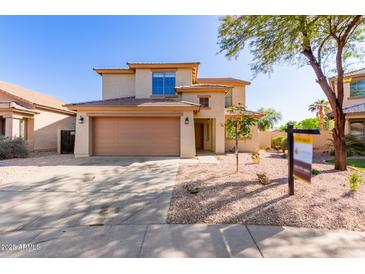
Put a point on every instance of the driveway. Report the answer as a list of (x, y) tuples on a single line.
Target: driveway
[(58, 206), (58, 192)]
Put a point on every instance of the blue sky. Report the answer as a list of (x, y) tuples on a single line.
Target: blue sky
[(55, 55)]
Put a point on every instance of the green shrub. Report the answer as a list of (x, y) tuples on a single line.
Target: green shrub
[(12, 148), (192, 188), (354, 145), (315, 172), (279, 143), (355, 181)]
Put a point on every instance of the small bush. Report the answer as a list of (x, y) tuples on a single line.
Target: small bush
[(191, 188), (279, 143), (263, 179), (331, 152), (267, 149), (354, 145), (315, 172), (355, 181), (12, 148), (255, 157), (284, 156)]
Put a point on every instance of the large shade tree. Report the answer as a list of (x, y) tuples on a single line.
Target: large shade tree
[(321, 107), (327, 43)]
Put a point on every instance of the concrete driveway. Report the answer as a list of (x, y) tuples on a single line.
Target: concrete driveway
[(58, 206), (59, 192)]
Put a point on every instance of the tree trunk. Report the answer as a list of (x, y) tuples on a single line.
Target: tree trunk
[(321, 119), (236, 149), (339, 140), (336, 104)]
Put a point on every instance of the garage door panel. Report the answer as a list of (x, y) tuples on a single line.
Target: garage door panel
[(136, 136)]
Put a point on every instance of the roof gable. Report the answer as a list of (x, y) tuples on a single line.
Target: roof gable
[(32, 97)]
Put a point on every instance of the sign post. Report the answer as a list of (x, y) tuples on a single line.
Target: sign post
[(303, 155)]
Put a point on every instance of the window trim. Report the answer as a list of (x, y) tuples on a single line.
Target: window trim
[(225, 100), (354, 81), (163, 82), (203, 106)]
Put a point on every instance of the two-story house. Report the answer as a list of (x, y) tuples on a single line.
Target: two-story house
[(354, 102), (156, 109)]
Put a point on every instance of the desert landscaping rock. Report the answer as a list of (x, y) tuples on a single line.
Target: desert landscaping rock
[(226, 197)]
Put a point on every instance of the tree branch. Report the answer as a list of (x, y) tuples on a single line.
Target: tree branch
[(319, 57)]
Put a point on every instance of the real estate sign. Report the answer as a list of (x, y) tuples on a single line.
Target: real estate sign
[(303, 155)]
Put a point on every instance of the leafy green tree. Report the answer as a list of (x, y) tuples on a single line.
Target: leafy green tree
[(321, 107), (238, 126), (285, 126), (325, 42), (309, 123), (270, 118)]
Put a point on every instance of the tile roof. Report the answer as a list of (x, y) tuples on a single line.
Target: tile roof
[(162, 63), (32, 96), (197, 86), (16, 106), (132, 101), (350, 73), (222, 80), (247, 112), (355, 109)]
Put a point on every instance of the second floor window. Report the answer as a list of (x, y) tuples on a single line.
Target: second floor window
[(204, 101), (228, 99), (357, 88), (163, 83)]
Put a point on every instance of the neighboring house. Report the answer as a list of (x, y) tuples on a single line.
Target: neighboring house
[(33, 116), (156, 109), (354, 102)]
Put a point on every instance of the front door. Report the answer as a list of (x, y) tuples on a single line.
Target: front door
[(199, 143)]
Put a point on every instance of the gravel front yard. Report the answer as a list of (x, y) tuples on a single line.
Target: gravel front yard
[(226, 197)]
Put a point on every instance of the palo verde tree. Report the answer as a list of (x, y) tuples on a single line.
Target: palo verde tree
[(238, 125), (321, 107), (269, 119), (326, 43)]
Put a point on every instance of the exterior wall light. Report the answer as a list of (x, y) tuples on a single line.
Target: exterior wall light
[(186, 120), (81, 120)]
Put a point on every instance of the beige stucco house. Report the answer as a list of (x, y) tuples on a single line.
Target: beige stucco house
[(33, 116), (156, 109), (354, 102)]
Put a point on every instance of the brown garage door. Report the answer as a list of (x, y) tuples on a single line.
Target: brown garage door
[(156, 136)]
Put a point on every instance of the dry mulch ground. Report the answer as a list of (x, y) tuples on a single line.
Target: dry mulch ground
[(226, 197)]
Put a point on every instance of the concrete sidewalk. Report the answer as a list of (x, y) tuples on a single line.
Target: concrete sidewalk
[(164, 240)]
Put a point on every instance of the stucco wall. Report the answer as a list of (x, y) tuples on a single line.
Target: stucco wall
[(143, 84), (320, 142), (250, 145), (143, 81), (118, 85), (184, 77), (46, 124), (239, 96), (187, 136), (83, 138), (215, 111)]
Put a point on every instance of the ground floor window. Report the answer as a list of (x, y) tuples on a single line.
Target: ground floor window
[(19, 128), (357, 129)]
